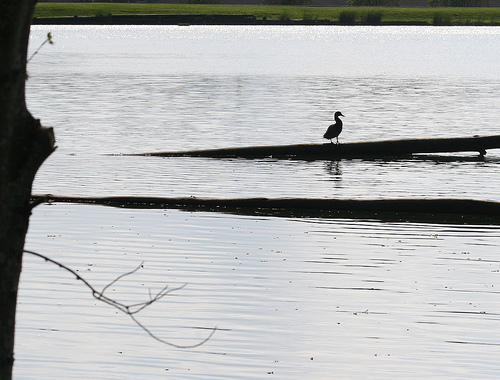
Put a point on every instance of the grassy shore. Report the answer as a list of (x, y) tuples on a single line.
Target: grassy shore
[(445, 16)]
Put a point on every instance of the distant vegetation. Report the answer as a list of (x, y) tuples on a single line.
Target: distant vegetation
[(342, 15)]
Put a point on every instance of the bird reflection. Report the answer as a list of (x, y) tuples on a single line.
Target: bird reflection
[(334, 129), (334, 169)]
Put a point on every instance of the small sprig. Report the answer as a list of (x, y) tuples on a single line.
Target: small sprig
[(47, 40)]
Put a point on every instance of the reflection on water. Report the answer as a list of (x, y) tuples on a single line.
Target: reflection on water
[(293, 297), (92, 175), (334, 169)]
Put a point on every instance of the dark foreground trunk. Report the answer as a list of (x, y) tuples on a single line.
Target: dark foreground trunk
[(371, 149), (424, 210), (24, 145)]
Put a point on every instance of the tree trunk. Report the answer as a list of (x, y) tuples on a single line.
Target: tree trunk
[(24, 145)]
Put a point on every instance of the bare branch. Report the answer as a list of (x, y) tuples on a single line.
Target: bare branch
[(130, 310)]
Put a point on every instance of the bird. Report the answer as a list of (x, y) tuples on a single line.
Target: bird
[(334, 129)]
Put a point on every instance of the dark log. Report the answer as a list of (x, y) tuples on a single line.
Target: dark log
[(328, 151), (425, 210)]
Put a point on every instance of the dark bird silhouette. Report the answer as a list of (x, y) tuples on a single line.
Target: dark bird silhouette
[(334, 129)]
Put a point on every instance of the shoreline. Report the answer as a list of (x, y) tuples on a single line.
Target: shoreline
[(188, 19), (219, 19), (246, 14)]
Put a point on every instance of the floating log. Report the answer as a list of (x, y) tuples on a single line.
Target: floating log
[(426, 210), (328, 151)]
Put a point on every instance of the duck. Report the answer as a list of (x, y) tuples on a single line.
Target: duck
[(334, 129)]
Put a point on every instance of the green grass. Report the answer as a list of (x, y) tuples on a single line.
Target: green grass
[(454, 16)]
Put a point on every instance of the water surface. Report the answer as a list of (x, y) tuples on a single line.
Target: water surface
[(295, 298), (112, 90), (292, 298)]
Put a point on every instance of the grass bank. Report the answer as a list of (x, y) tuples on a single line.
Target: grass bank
[(356, 15)]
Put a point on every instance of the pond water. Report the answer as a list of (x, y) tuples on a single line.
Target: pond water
[(291, 298)]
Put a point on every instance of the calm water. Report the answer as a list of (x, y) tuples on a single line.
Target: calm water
[(141, 89), (293, 298)]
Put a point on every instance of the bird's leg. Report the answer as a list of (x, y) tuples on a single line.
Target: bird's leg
[(337, 140)]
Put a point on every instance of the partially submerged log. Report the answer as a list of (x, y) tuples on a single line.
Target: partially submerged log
[(433, 210), (328, 151)]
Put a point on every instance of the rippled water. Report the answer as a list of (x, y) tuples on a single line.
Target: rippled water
[(292, 298)]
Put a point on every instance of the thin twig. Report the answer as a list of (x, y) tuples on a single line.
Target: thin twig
[(48, 39), (171, 344), (121, 276), (127, 309)]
